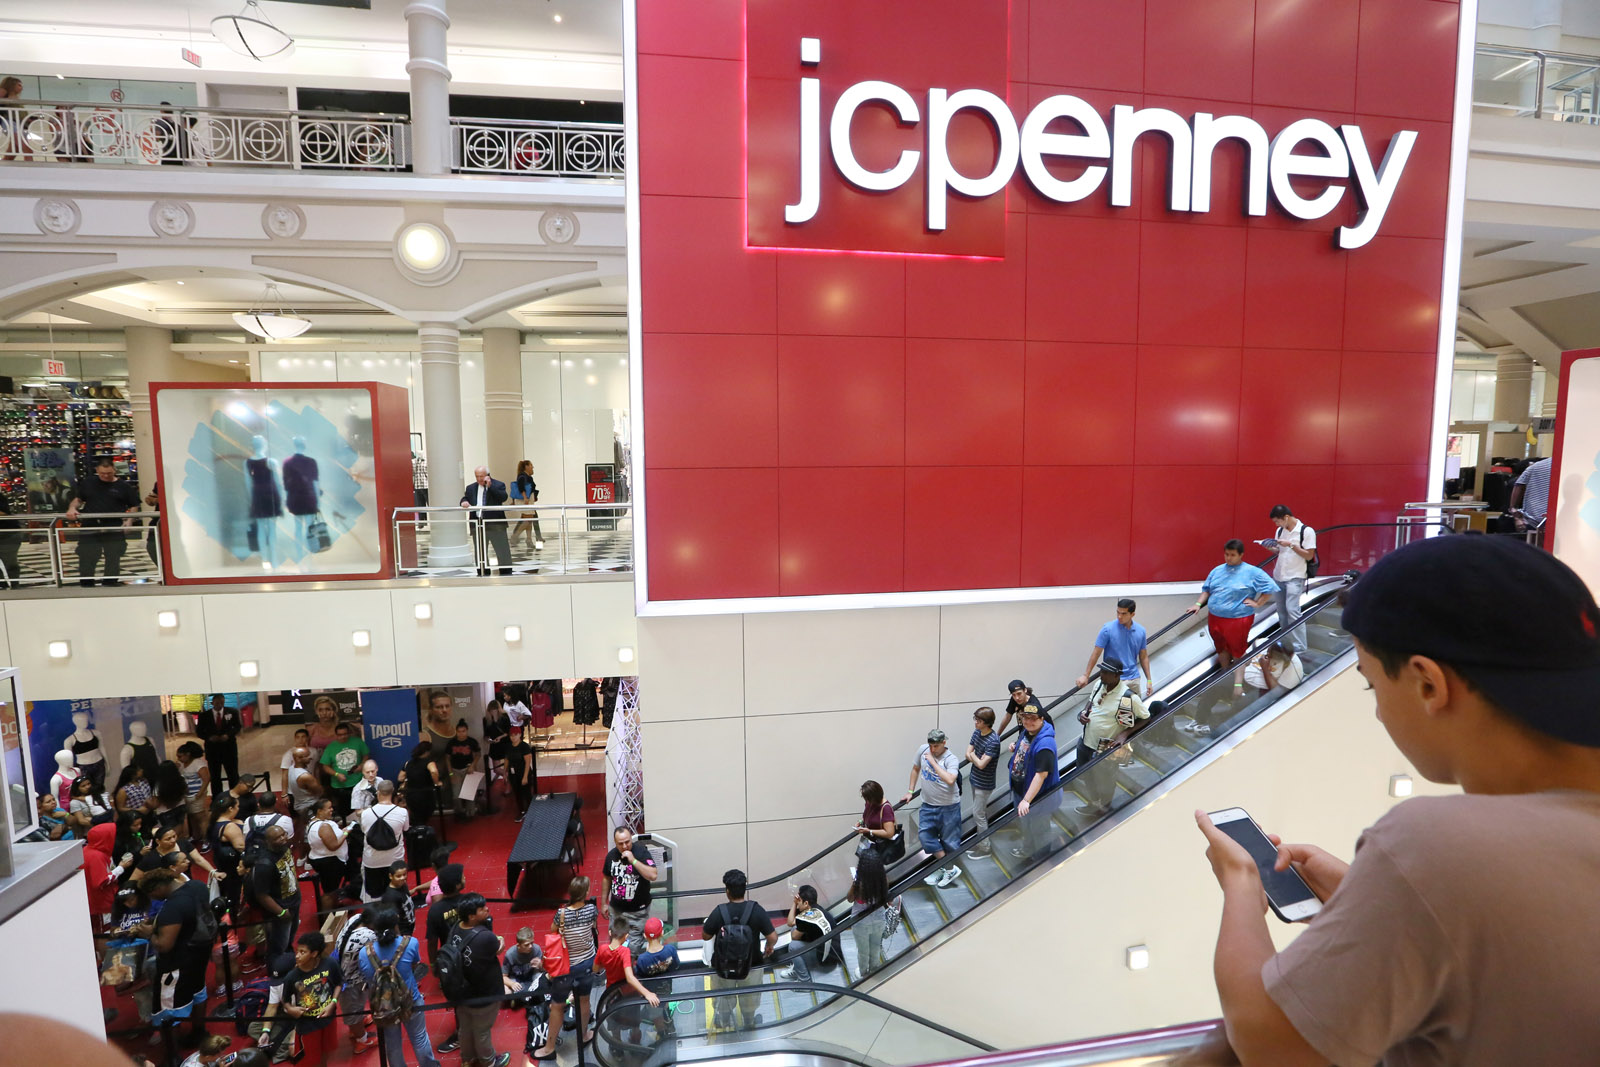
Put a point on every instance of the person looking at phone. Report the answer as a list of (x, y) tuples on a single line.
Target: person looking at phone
[(876, 828), (1296, 546), (1464, 931)]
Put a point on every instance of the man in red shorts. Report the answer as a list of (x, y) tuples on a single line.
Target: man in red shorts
[(1232, 592)]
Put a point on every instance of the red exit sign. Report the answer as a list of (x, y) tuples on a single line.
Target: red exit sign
[(191, 58), (55, 368)]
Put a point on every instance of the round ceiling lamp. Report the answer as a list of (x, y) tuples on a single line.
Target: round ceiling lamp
[(424, 247), (279, 325), (251, 33)]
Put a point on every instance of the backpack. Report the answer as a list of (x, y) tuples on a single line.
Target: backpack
[(250, 1004), (891, 916), (1313, 564), (390, 996), (450, 964), (380, 836), (255, 847), (205, 926), (735, 944)]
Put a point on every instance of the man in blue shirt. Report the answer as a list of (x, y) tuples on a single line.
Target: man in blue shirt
[(1232, 592), (1123, 640)]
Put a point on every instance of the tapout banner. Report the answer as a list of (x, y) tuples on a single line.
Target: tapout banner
[(389, 724)]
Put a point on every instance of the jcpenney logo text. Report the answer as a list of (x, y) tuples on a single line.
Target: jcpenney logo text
[(1271, 165)]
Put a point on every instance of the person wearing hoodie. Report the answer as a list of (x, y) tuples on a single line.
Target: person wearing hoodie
[(100, 873), (1034, 778)]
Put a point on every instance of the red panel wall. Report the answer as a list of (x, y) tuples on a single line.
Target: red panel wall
[(1105, 397)]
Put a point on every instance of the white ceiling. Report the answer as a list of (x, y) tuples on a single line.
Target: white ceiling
[(586, 26)]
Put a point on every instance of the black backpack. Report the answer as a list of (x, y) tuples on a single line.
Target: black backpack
[(450, 965), (1313, 564), (735, 944), (255, 844), (205, 926), (380, 835)]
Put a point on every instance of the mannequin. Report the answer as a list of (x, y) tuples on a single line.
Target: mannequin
[(86, 751), (61, 781), (140, 750), (300, 489), (266, 502)]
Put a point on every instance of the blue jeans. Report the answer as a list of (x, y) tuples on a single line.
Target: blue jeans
[(1288, 601), (416, 1028), (939, 828)]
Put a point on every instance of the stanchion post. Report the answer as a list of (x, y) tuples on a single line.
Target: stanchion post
[(227, 982)]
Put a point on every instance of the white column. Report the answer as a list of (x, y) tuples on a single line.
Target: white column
[(502, 399), (439, 345), (1513, 386), (150, 359), (429, 69)]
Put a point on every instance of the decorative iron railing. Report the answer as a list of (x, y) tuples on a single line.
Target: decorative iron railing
[(545, 149)]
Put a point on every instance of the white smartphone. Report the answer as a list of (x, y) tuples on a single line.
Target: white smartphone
[(1287, 893)]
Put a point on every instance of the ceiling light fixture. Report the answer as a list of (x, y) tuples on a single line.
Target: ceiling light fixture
[(279, 325), (60, 649), (423, 611), (1400, 785), (361, 638), (513, 635), (251, 33), (625, 654), (249, 668), (167, 620), (1137, 957)]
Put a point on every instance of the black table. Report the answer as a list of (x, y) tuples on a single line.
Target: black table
[(539, 841)]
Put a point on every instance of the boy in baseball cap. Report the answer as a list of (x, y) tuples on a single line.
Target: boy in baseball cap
[(1466, 922)]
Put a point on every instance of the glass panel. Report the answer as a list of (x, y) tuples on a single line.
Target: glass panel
[(18, 787)]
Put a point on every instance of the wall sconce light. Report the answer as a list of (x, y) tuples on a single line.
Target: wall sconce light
[(423, 611), (167, 620), (60, 649), (1138, 957), (513, 635), (361, 638), (249, 668), (1400, 785), (625, 654)]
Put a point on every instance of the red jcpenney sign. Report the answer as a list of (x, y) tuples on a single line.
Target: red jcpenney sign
[(1305, 148)]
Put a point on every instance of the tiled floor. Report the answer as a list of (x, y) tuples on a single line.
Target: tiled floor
[(483, 845)]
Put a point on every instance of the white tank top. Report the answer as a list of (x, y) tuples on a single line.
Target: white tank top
[(318, 849), (298, 796)]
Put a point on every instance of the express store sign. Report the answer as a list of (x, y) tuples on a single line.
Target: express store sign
[(1306, 148)]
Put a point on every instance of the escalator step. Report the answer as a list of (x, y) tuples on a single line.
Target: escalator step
[(1136, 777), (922, 913), (986, 874), (1164, 758)]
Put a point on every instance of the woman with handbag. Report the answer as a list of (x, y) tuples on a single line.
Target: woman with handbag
[(877, 826)]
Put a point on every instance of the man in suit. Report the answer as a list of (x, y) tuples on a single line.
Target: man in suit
[(218, 726), (485, 492)]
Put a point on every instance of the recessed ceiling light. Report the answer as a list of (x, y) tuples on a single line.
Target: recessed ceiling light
[(423, 611), (513, 635), (1138, 957), (249, 668), (180, 283), (625, 654), (167, 620), (555, 18), (1400, 785), (361, 638), (60, 649)]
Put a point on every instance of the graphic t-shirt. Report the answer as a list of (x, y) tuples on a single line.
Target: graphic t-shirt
[(343, 760), (629, 890), (652, 964), (462, 751), (935, 793), (274, 876), (403, 905), (313, 990)]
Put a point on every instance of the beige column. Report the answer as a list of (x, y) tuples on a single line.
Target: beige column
[(1513, 385), (439, 346), (429, 69), (150, 359), (502, 399)]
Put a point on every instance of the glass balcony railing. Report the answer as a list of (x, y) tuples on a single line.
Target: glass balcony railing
[(1532, 83)]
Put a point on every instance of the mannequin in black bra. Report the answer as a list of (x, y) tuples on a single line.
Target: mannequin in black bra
[(84, 744)]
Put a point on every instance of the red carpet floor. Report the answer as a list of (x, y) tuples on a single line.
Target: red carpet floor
[(483, 845)]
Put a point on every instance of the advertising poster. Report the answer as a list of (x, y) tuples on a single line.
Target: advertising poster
[(269, 481), (49, 477), (389, 725), (49, 723)]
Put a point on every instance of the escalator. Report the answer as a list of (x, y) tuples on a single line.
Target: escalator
[(1207, 712)]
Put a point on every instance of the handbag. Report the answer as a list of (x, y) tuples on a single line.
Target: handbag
[(894, 848), (891, 916), (317, 537)]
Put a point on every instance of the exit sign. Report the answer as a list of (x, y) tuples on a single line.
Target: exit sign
[(191, 58), (55, 368)]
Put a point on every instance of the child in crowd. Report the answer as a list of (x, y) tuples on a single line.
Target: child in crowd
[(523, 964), (653, 966), (310, 998), (621, 982), (212, 1046), (52, 822)]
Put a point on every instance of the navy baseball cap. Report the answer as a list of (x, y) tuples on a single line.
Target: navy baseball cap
[(1512, 620), (1016, 683)]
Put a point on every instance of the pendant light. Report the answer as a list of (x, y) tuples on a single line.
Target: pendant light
[(251, 33), (278, 325)]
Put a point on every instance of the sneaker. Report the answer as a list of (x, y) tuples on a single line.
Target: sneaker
[(950, 875), (1092, 811), (789, 974), (979, 853), (366, 1042), (500, 1060), (757, 1020), (1200, 729), (934, 879), (450, 1044), (1020, 853)]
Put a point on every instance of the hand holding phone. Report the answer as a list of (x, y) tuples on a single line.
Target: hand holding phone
[(1290, 898)]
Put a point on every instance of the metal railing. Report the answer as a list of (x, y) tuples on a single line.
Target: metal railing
[(1535, 83), (59, 131), (516, 540), (545, 149), (49, 549), (64, 132)]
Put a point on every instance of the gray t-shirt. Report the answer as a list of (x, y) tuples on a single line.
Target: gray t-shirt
[(935, 794), (1463, 935)]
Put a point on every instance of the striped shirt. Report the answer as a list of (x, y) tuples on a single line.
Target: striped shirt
[(983, 777), (577, 930), (191, 776), (1536, 495)]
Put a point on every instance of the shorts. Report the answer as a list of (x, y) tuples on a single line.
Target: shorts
[(579, 980), (939, 828), (196, 804), (1230, 635)]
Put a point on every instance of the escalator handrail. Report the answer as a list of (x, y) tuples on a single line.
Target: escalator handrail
[(1186, 617), (1118, 1047), (829, 991), (899, 805)]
